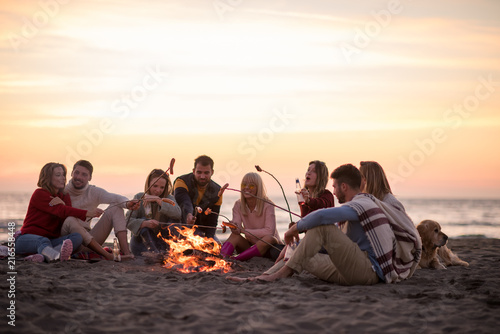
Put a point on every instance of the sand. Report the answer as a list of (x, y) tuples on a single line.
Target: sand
[(136, 297)]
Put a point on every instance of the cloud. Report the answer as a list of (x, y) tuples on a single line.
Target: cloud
[(305, 16), (47, 123)]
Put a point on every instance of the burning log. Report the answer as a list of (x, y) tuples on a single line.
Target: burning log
[(153, 258), (200, 253), (203, 258), (192, 253)]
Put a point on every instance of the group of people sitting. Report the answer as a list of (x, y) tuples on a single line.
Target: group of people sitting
[(367, 240)]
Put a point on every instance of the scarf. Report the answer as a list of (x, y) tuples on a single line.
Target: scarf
[(392, 235), (70, 189)]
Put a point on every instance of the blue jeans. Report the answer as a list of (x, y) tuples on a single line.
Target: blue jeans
[(33, 244)]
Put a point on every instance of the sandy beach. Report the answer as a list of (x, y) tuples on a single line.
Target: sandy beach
[(136, 297)]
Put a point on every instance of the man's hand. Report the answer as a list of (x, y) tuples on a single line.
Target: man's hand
[(94, 213), (292, 235), (133, 205), (190, 219), (282, 254)]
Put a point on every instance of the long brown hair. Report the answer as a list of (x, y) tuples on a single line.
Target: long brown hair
[(156, 173), (376, 181), (321, 179), (45, 178)]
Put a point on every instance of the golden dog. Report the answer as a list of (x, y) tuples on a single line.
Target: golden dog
[(435, 254)]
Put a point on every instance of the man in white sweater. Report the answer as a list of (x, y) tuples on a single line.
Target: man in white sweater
[(89, 197)]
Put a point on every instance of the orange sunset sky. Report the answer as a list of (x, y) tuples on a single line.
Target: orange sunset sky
[(129, 85)]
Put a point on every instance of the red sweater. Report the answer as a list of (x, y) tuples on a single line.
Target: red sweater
[(45, 220), (325, 200)]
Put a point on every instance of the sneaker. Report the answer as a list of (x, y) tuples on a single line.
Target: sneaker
[(4, 251), (35, 258), (66, 250)]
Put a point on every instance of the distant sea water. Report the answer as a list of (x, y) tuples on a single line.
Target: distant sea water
[(458, 217)]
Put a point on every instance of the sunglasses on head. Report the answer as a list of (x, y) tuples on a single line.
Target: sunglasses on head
[(250, 186)]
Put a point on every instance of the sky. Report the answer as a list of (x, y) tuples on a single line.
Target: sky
[(129, 85)]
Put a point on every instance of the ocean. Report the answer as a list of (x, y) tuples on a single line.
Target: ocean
[(458, 217)]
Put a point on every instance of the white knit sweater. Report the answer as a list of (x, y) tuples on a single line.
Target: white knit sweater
[(90, 197)]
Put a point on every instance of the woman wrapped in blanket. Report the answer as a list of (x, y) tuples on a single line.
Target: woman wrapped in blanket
[(374, 181), (254, 219), (158, 206), (49, 206)]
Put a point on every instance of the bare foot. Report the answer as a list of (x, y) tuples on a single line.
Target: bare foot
[(257, 278), (238, 279), (282, 273)]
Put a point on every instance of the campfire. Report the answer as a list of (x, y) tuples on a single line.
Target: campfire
[(191, 253)]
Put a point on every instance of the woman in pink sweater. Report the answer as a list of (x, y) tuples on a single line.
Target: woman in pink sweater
[(254, 219)]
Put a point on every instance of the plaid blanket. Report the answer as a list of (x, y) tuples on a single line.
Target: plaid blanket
[(392, 235)]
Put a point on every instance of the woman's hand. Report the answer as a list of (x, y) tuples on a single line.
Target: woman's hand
[(305, 193), (56, 201), (94, 213), (236, 229), (151, 198), (151, 223)]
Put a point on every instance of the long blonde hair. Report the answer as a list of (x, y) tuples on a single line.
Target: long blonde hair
[(321, 179), (261, 193), (376, 181)]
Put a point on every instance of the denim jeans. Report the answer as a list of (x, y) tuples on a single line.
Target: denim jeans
[(33, 244)]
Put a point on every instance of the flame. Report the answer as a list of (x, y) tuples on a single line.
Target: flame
[(177, 260)]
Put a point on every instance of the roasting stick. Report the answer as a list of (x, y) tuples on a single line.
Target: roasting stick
[(228, 224), (166, 200), (262, 199), (257, 167), (217, 227), (232, 226), (171, 169)]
